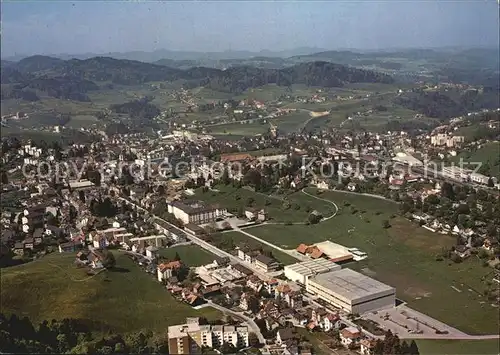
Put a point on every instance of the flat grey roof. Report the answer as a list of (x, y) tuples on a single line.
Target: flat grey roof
[(311, 267), (352, 286)]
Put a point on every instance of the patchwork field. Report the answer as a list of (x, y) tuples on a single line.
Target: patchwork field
[(123, 300)]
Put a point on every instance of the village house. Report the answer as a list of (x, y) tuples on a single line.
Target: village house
[(284, 335), (349, 335), (254, 214), (367, 346), (265, 263), (167, 270), (151, 252)]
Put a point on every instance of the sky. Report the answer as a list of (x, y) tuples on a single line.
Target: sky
[(75, 27)]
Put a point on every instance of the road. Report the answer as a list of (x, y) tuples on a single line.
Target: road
[(248, 320)]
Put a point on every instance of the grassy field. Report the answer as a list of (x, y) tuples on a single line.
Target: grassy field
[(402, 256), (125, 300), (227, 196), (191, 255), (487, 154), (291, 122), (239, 129), (239, 238), (452, 347)]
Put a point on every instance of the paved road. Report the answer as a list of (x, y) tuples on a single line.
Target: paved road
[(324, 200), (248, 320)]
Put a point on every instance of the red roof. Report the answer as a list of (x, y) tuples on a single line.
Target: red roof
[(314, 252), (302, 248), (341, 258), (170, 265), (225, 158)]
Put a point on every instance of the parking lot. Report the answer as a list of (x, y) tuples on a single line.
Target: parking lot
[(403, 321)]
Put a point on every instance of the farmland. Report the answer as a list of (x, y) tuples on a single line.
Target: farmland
[(123, 300)]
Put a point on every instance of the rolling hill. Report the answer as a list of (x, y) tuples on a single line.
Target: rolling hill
[(77, 74), (124, 300)]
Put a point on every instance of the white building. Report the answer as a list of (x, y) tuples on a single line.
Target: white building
[(189, 338), (300, 272), (195, 212), (351, 291), (480, 178)]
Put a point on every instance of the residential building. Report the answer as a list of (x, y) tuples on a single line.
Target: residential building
[(189, 338), (367, 346), (166, 270), (266, 263), (349, 336)]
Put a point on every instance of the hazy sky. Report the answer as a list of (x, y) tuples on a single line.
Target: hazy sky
[(53, 27)]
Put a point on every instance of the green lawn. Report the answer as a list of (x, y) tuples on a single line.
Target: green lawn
[(452, 347), (227, 196), (243, 129), (291, 122), (123, 301), (488, 154), (402, 256), (191, 255), (239, 238)]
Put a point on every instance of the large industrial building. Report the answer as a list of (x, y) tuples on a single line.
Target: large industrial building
[(300, 272), (351, 291)]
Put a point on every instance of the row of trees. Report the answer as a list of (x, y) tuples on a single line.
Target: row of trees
[(20, 335)]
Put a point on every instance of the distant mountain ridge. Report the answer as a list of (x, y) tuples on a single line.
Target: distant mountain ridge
[(79, 76), (156, 55)]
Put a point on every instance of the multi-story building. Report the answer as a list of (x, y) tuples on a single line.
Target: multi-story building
[(195, 212), (454, 172), (191, 337), (442, 139)]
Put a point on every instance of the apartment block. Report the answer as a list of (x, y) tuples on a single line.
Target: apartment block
[(191, 337)]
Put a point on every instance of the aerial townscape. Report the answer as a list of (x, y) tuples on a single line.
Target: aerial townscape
[(304, 201)]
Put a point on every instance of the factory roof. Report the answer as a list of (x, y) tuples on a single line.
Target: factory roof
[(312, 267), (352, 286)]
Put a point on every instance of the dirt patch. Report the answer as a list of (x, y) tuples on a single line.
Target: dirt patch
[(417, 237), (416, 292)]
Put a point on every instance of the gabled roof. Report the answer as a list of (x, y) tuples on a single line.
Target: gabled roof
[(176, 264), (302, 248)]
